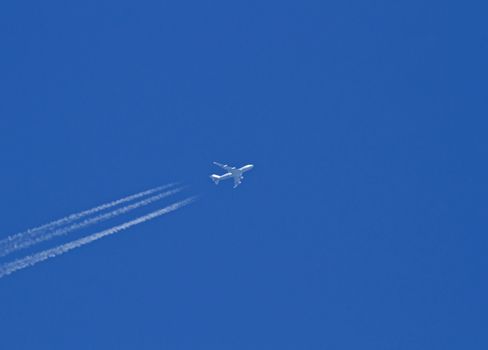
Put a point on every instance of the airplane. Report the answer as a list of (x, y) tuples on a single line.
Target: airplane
[(232, 171)]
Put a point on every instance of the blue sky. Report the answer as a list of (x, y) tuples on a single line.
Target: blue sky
[(362, 226)]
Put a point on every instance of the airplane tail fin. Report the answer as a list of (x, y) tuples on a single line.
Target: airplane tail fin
[(215, 178)]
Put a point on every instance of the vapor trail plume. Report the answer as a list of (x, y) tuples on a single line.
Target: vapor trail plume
[(8, 268), (73, 217), (29, 241)]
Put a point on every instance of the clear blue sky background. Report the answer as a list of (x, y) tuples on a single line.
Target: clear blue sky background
[(362, 226)]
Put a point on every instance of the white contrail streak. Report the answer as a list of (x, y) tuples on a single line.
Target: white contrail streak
[(29, 241), (8, 268), (73, 217)]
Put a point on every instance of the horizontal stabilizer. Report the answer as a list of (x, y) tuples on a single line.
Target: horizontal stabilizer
[(215, 178)]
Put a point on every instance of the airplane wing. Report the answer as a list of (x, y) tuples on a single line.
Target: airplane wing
[(237, 181), (224, 166)]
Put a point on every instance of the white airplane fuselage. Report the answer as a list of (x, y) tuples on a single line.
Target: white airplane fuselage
[(235, 173)]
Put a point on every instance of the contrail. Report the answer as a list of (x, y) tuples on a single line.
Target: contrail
[(29, 240), (8, 268), (73, 217)]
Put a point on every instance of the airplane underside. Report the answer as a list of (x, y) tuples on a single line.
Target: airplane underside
[(233, 172)]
